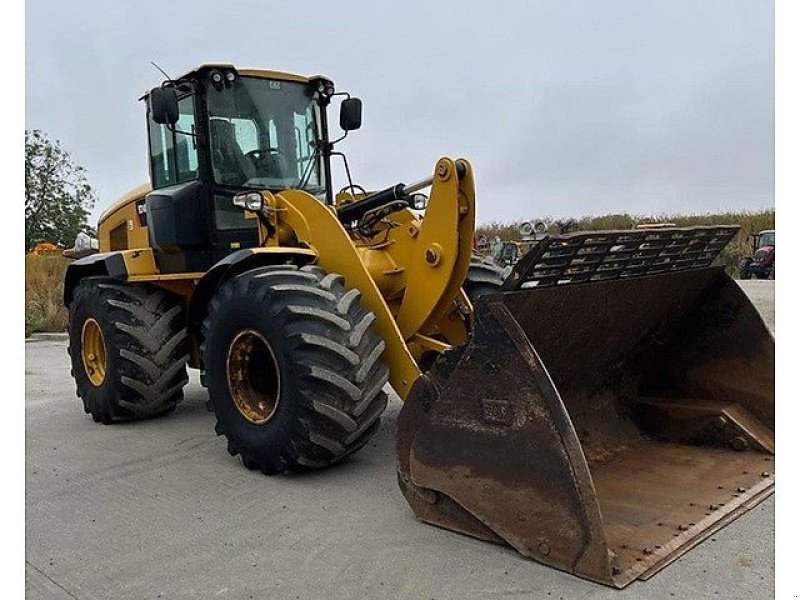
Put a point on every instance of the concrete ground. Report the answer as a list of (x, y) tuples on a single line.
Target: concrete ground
[(158, 509)]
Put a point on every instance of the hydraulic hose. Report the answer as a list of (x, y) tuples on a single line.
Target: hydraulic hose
[(355, 210)]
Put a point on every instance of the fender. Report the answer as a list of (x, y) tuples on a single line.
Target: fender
[(109, 264), (137, 264), (234, 264)]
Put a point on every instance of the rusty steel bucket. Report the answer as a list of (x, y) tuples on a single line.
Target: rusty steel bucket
[(613, 407)]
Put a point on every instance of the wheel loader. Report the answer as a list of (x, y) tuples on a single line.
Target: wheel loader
[(602, 409)]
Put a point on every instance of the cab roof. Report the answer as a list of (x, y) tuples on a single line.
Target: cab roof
[(246, 72)]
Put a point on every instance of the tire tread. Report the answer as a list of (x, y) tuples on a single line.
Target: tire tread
[(146, 346), (340, 377)]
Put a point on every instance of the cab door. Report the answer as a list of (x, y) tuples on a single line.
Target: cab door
[(177, 209)]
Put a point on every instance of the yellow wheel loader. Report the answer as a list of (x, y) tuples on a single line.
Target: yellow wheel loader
[(602, 409)]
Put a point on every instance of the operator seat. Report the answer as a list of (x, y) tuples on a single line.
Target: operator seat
[(230, 164)]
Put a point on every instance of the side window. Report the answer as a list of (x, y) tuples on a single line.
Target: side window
[(161, 153), (185, 143), (305, 134), (173, 154)]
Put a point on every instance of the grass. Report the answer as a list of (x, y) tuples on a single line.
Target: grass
[(750, 222), (44, 285)]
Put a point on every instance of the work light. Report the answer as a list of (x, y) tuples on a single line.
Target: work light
[(250, 201)]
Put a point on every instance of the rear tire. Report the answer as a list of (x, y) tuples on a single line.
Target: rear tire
[(482, 278), (143, 339), (293, 369)]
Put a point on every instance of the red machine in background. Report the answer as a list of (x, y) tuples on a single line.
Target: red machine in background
[(762, 263)]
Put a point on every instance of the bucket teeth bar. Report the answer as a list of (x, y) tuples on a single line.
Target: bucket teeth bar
[(603, 255)]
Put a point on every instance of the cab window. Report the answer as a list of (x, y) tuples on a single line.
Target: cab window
[(173, 150)]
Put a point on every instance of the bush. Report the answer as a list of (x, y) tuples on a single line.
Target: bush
[(44, 288), (750, 222)]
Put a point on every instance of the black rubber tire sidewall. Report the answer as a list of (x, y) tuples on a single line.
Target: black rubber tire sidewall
[(274, 436), (97, 399), (113, 304)]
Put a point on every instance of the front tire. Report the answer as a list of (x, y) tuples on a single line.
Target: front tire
[(128, 349), (293, 370), (482, 278)]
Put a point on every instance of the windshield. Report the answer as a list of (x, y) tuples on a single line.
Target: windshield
[(767, 239), (263, 135)]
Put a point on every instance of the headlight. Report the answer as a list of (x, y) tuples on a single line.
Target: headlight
[(250, 201)]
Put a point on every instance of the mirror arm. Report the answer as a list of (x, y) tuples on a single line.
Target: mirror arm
[(336, 141)]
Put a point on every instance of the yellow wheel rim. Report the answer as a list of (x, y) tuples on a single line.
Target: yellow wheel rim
[(253, 376), (93, 352)]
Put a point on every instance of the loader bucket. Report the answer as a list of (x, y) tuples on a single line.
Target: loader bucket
[(613, 407)]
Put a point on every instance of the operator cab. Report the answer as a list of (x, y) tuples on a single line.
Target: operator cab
[(765, 238), (216, 132)]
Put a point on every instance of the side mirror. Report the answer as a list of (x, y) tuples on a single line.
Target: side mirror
[(164, 105), (350, 114)]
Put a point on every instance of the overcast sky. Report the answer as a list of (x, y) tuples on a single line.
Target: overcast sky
[(565, 108)]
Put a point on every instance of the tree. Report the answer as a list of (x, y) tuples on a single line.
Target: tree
[(58, 197)]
